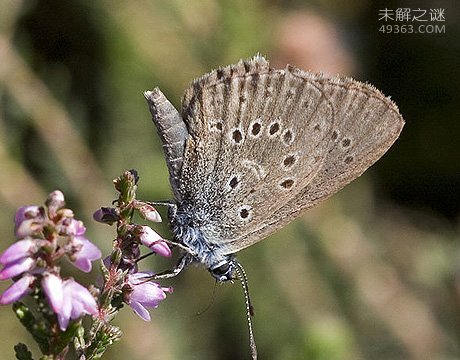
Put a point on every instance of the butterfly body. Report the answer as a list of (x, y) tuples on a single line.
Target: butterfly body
[(255, 146), (188, 231)]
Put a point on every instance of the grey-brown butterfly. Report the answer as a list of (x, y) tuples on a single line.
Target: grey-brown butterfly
[(254, 147)]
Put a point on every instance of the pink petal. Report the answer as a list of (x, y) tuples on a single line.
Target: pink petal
[(148, 212), (25, 213), (77, 302), (16, 251), (87, 253), (148, 236), (17, 268), (140, 310), (76, 228), (17, 290), (161, 248), (83, 264), (53, 287), (64, 315), (153, 216), (83, 298), (89, 250), (77, 310), (149, 294), (56, 199)]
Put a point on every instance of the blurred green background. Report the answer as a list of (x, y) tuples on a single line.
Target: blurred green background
[(373, 273)]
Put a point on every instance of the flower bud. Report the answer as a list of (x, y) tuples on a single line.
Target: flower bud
[(148, 212), (54, 202), (28, 220), (154, 241), (106, 215)]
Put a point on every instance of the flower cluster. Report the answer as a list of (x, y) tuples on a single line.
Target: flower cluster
[(46, 235), (136, 288)]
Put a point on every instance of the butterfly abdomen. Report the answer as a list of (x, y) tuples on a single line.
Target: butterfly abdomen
[(172, 131)]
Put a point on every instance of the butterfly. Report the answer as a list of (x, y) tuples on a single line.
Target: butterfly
[(253, 147)]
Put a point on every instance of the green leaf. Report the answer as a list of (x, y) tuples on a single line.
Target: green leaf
[(66, 337), (36, 328), (104, 270), (79, 340), (104, 336)]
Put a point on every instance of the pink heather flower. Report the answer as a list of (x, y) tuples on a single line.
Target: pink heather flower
[(17, 290), (68, 299), (76, 228), (17, 267), (20, 249), (17, 258), (144, 294), (53, 287), (77, 301), (87, 251), (154, 241), (28, 221)]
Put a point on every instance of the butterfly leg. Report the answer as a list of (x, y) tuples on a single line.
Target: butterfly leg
[(168, 203), (172, 206), (183, 262)]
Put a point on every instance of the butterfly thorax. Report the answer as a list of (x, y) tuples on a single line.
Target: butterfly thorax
[(187, 229)]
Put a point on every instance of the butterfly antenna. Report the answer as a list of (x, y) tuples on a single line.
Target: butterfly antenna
[(249, 308)]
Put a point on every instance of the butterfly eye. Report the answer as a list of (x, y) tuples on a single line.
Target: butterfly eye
[(223, 271)]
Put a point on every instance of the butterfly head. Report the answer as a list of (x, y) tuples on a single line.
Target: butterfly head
[(224, 269)]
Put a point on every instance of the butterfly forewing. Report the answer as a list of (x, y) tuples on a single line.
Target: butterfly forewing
[(265, 144)]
